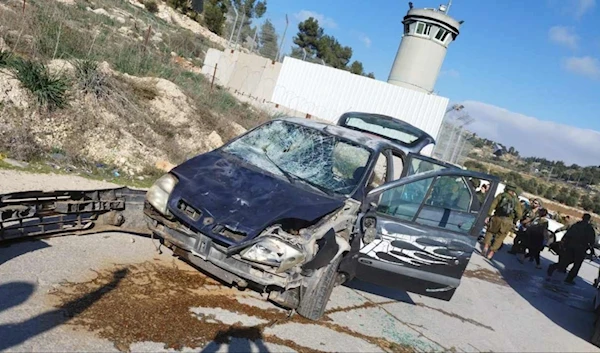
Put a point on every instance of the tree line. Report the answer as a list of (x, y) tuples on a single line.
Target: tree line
[(312, 44), (554, 170), (566, 195)]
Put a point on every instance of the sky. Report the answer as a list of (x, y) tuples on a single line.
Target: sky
[(531, 69)]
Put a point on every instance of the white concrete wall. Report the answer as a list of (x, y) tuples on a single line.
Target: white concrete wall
[(327, 93), (250, 75)]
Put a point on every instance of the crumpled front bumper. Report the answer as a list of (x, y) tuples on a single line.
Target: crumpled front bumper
[(201, 251)]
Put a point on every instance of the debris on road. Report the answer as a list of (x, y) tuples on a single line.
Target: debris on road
[(156, 303)]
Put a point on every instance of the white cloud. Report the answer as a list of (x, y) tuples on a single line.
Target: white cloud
[(365, 40), (325, 22), (451, 73), (534, 137), (585, 66), (572, 8), (564, 36), (583, 6)]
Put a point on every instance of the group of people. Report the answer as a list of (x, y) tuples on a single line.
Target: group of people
[(532, 234)]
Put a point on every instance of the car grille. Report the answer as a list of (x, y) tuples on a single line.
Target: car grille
[(228, 233), (189, 211)]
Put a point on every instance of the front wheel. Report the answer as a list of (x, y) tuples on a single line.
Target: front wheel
[(596, 336), (315, 296)]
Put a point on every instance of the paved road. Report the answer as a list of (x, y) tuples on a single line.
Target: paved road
[(113, 291), (504, 306)]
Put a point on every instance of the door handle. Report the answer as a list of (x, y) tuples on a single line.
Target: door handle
[(365, 261)]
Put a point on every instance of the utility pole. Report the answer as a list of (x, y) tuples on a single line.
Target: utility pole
[(578, 179), (234, 23), (237, 39), (549, 175), (255, 44), (283, 37)]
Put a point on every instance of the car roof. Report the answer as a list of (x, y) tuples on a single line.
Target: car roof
[(393, 120), (361, 138)]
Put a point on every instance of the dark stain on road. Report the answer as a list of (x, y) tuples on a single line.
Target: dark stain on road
[(461, 318), (152, 303), (487, 275)]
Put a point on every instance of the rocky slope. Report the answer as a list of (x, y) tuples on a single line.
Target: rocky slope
[(153, 110)]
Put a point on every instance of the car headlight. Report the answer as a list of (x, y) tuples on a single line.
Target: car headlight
[(273, 252), (159, 192)]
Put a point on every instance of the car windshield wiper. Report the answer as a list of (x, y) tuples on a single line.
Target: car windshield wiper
[(316, 186), (292, 177)]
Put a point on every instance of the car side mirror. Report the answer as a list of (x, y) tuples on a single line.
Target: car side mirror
[(368, 227)]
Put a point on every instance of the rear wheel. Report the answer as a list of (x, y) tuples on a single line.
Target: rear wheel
[(314, 298), (596, 336)]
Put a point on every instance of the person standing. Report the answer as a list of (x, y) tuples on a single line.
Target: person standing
[(529, 214), (536, 233), (504, 213), (579, 237)]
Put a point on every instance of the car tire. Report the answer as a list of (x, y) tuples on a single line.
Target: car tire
[(314, 298), (596, 336)]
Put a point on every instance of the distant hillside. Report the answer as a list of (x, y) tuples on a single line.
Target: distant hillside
[(572, 186)]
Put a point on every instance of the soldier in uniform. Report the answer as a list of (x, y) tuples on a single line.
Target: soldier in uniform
[(535, 235), (529, 214), (503, 216), (579, 237)]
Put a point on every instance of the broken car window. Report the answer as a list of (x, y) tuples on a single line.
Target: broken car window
[(303, 154), (379, 172), (446, 206)]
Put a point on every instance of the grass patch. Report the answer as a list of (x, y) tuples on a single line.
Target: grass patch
[(50, 91), (6, 58), (187, 44), (57, 38)]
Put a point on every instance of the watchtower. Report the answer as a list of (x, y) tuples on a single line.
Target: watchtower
[(427, 34)]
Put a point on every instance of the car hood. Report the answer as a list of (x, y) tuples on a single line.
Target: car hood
[(233, 201)]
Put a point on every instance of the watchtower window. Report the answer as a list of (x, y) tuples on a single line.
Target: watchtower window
[(423, 28), (441, 35), (406, 28)]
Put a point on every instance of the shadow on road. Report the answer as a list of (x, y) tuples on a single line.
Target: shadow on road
[(238, 339), (17, 333), (14, 293), (389, 293), (9, 252), (568, 306)]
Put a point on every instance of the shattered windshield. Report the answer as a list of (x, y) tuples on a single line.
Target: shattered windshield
[(304, 155)]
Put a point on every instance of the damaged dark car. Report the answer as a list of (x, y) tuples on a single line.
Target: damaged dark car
[(291, 208), (295, 207)]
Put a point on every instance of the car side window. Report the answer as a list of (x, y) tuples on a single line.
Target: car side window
[(441, 202), (417, 166), (378, 177), (398, 166), (404, 201)]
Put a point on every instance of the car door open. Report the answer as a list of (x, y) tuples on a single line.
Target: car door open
[(419, 231)]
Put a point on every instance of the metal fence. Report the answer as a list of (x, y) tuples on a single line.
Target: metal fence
[(453, 141)]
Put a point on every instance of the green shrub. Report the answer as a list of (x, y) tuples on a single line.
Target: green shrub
[(6, 58), (50, 91), (151, 6)]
